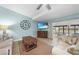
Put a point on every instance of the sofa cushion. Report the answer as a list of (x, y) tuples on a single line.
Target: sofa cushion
[(29, 43)]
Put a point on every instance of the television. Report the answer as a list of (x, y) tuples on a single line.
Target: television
[(42, 25)]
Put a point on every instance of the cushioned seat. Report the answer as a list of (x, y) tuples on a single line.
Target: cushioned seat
[(29, 43)]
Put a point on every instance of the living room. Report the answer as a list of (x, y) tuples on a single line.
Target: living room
[(26, 28)]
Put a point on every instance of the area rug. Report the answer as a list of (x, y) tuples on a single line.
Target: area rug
[(42, 49)]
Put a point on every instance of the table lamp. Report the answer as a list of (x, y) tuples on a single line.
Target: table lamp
[(4, 28)]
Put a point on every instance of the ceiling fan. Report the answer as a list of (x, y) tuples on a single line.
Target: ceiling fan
[(47, 6)]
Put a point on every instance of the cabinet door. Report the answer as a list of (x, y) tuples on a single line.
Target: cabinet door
[(42, 34)]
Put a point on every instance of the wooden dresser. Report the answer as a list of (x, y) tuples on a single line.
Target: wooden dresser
[(42, 34)]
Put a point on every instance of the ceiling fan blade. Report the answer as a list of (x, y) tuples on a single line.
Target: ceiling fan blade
[(39, 6)]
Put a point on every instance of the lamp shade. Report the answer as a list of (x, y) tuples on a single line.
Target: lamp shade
[(3, 27)]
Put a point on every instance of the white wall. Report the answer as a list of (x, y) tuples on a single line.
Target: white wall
[(68, 22), (50, 30)]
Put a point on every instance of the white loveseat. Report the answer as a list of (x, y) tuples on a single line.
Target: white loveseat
[(60, 47)]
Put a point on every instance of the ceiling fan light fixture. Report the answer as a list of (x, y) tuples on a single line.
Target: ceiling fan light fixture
[(48, 7)]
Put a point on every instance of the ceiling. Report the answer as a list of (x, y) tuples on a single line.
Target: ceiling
[(61, 11), (58, 11), (29, 10)]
